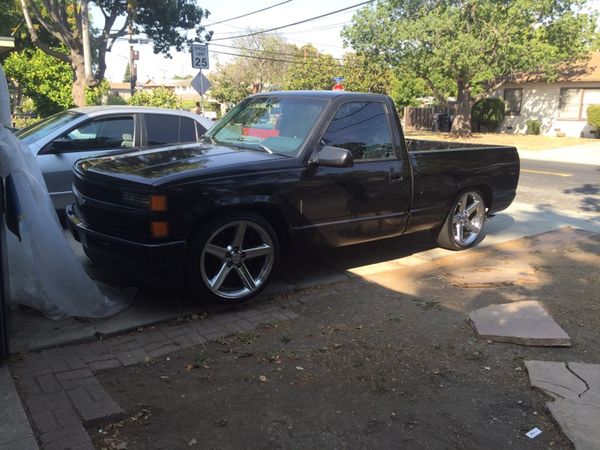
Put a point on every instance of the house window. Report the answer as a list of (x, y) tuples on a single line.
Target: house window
[(574, 102), (513, 98)]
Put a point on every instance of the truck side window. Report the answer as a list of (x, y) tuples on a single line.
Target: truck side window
[(362, 128)]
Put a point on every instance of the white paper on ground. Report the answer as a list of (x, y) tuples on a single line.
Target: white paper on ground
[(533, 433)]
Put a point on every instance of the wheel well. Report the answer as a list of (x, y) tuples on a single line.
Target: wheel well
[(270, 213), (485, 190)]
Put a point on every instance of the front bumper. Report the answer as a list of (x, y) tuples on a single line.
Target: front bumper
[(164, 262)]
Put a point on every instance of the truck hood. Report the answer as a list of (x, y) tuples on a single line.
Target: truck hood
[(167, 164)]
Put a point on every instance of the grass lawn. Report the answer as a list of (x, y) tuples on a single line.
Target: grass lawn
[(522, 142)]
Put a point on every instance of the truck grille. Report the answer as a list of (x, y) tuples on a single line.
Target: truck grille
[(102, 206)]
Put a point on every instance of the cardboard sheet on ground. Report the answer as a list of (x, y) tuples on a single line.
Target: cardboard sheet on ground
[(44, 273)]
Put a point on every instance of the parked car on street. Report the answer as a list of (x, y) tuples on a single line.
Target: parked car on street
[(326, 168), (63, 138)]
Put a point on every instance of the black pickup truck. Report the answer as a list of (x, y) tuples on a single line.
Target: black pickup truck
[(326, 168)]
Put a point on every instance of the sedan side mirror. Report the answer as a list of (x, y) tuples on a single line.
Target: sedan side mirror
[(334, 157), (58, 146)]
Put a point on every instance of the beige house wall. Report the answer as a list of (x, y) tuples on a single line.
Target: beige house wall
[(540, 101)]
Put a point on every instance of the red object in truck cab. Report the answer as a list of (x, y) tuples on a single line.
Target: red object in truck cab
[(260, 132)]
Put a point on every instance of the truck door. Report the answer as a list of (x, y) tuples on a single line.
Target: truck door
[(369, 200)]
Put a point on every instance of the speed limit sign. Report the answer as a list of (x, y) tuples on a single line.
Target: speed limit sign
[(200, 56)]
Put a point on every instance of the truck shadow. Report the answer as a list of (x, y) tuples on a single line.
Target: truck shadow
[(300, 269)]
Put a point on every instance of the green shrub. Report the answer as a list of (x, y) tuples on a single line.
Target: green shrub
[(116, 100), (94, 95), (487, 113), (160, 97), (593, 117), (533, 126)]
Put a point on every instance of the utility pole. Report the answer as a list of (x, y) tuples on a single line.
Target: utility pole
[(85, 31), (133, 57)]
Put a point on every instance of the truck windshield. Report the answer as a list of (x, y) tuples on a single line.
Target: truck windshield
[(272, 124)]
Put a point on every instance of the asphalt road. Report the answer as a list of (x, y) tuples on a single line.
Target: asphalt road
[(560, 186)]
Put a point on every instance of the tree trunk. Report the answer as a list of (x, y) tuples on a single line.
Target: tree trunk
[(461, 125), (79, 78)]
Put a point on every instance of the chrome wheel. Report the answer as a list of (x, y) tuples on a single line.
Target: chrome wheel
[(237, 259), (468, 218)]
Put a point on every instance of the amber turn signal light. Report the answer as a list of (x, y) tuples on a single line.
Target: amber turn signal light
[(159, 229), (158, 203)]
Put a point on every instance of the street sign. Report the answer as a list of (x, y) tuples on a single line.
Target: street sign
[(200, 83), (200, 56)]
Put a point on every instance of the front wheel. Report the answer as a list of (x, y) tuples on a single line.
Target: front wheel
[(232, 259), (463, 227)]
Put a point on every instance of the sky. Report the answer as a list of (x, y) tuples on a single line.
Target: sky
[(323, 33)]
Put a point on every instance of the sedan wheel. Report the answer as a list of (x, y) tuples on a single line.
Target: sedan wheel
[(464, 225), (236, 258)]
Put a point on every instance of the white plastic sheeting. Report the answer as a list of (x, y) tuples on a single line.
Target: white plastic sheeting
[(44, 273), (4, 100)]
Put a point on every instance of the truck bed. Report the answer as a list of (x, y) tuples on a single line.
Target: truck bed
[(422, 145)]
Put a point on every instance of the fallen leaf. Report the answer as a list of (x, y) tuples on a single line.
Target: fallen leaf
[(192, 442)]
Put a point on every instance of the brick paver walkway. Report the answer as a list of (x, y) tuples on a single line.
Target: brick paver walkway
[(61, 392)]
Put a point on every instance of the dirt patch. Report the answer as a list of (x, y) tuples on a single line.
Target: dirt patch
[(388, 361)]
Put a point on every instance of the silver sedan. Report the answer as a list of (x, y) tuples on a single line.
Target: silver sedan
[(63, 138)]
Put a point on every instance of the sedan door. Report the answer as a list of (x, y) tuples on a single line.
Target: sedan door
[(98, 136), (369, 200)]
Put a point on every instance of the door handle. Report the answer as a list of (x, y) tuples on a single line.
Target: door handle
[(395, 176)]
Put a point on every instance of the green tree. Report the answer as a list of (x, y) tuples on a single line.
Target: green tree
[(230, 83), (159, 97), (262, 60), (363, 74), (44, 79), (312, 70), (164, 22), (478, 44), (127, 74)]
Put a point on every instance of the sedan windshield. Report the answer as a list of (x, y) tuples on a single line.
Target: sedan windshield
[(271, 124), (40, 130)]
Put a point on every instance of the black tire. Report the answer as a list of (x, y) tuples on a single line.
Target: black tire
[(459, 231), (204, 267)]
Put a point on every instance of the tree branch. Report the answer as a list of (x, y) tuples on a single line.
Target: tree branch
[(36, 39), (436, 92)]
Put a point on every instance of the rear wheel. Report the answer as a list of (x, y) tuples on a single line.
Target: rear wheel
[(463, 227), (232, 259)]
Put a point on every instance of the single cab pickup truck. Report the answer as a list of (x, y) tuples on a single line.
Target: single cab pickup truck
[(306, 167)]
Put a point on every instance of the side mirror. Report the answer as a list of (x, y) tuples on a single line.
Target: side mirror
[(334, 157), (58, 145)]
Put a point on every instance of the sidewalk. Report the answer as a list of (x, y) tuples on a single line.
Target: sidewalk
[(15, 431), (579, 154)]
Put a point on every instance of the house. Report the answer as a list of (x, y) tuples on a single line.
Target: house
[(122, 89), (559, 106)]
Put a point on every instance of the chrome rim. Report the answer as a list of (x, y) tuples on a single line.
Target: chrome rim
[(237, 259), (468, 219)]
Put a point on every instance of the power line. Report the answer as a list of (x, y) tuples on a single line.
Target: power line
[(299, 59), (247, 14), (293, 55), (293, 24), (329, 26)]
